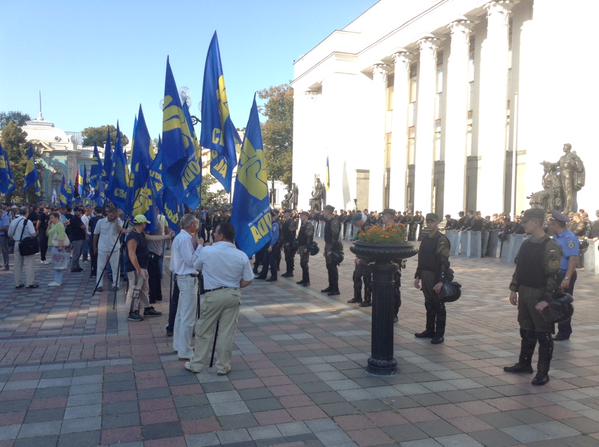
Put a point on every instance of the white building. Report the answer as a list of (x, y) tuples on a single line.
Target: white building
[(447, 105)]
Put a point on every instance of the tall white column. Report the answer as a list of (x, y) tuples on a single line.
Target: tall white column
[(425, 124), (399, 153), (456, 121), (493, 104), (376, 154)]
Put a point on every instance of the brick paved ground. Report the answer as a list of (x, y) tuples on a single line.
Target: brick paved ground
[(75, 373)]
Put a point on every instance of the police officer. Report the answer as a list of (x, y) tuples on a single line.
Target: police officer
[(433, 268), (289, 229), (389, 222), (305, 237), (362, 273), (333, 249), (570, 246), (534, 283)]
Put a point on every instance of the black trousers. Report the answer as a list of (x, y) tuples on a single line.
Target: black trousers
[(93, 256), (289, 257), (154, 278), (261, 262), (43, 240), (565, 327), (274, 258), (362, 275), (173, 305), (333, 274), (305, 264), (436, 315)]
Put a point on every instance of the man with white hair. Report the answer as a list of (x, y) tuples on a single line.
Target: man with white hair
[(20, 228), (184, 252)]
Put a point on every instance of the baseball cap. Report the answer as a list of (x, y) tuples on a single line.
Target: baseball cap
[(140, 219)]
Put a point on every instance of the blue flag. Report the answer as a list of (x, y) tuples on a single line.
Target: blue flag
[(95, 172), (140, 166), (4, 173), (172, 208), (107, 166), (218, 131), (11, 176), (176, 136), (85, 183), (31, 174), (117, 185), (251, 206), (192, 172), (64, 197), (155, 179)]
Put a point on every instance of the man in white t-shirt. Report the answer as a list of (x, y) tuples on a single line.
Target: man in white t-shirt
[(19, 229), (226, 270), (106, 237), (85, 251)]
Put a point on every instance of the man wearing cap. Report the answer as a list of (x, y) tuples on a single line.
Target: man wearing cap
[(433, 268), (305, 237), (136, 266), (289, 243), (534, 284), (362, 273), (570, 246), (333, 249)]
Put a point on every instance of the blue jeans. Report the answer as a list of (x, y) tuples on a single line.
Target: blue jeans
[(58, 274)]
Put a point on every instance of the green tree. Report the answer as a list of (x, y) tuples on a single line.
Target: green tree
[(277, 132), (212, 200), (15, 144), (18, 118), (97, 135)]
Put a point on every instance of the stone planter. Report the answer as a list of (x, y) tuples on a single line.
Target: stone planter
[(383, 259)]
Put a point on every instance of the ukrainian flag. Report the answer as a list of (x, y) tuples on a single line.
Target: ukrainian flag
[(218, 131), (117, 185), (4, 172), (251, 205), (31, 174), (192, 172)]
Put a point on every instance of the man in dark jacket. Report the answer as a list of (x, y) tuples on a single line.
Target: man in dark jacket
[(333, 249), (433, 268), (305, 237), (289, 229)]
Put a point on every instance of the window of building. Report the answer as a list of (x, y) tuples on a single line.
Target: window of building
[(413, 82), (390, 94), (411, 145), (387, 171)]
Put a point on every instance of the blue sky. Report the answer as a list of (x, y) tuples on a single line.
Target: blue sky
[(96, 61)]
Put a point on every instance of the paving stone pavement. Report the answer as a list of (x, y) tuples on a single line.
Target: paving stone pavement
[(73, 372)]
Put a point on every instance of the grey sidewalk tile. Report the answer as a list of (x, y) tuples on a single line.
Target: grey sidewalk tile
[(81, 424), (293, 429), (86, 388), (82, 439), (84, 399), (333, 437), (525, 433), (203, 440), (21, 385), (318, 425), (420, 443), (48, 383), (233, 436), (556, 429), (458, 441), (47, 415), (264, 432), (229, 408), (40, 429), (83, 411), (37, 441), (9, 431)]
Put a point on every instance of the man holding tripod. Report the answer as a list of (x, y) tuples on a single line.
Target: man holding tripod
[(107, 246)]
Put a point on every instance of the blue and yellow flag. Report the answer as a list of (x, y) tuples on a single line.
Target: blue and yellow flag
[(140, 166), (172, 208), (64, 197), (251, 205), (218, 131), (117, 185), (95, 172), (4, 174), (155, 178), (176, 136), (192, 172), (85, 183), (31, 174), (107, 165), (12, 185)]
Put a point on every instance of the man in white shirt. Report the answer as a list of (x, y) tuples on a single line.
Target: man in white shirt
[(184, 253), (19, 229), (106, 235), (226, 270), (85, 251)]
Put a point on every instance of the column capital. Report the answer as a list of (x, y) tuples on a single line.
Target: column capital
[(401, 56), (379, 70), (501, 7), (428, 43), (460, 26)]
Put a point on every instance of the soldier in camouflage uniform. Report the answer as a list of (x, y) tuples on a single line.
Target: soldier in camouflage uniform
[(433, 269), (389, 222), (362, 272), (533, 286), (305, 237), (333, 249)]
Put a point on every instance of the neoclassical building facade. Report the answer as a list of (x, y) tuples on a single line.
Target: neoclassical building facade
[(447, 105)]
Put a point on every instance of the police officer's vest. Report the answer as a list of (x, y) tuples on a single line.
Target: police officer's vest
[(427, 253), (530, 264)]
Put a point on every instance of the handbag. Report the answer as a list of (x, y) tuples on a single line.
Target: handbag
[(30, 245)]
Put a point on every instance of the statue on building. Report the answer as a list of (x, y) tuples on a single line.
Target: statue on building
[(319, 195), (295, 196), (290, 200), (561, 182), (572, 176)]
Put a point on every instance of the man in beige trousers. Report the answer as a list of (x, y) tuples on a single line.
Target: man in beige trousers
[(226, 270)]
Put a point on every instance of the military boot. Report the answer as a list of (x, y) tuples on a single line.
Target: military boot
[(527, 348), (545, 354), (439, 336), (429, 332)]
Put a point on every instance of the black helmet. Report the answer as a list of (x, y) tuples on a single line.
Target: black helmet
[(450, 292), (313, 249), (560, 308)]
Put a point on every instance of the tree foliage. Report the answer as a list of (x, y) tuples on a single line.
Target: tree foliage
[(97, 135), (277, 131), (213, 200), (18, 118), (15, 144)]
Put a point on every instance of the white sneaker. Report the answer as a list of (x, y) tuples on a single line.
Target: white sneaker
[(53, 284)]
